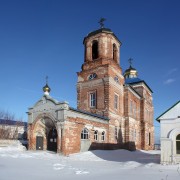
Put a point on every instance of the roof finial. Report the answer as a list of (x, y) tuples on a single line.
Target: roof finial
[(46, 88), (101, 22), (130, 61)]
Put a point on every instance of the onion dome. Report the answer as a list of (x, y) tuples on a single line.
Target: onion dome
[(46, 88), (130, 73)]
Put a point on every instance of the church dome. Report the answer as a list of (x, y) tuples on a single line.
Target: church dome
[(130, 73), (46, 88)]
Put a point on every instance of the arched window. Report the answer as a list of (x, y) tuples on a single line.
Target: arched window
[(85, 134), (103, 136), (95, 53), (115, 52), (178, 144), (95, 135)]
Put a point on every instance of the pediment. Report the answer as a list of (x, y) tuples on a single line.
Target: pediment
[(171, 113)]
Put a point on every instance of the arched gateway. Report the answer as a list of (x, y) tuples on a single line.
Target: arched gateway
[(45, 134), (54, 126)]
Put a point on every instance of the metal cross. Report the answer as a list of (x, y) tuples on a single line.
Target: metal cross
[(101, 22), (46, 79), (130, 61)]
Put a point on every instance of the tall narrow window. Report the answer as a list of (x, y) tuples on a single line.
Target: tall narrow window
[(131, 107), (93, 99), (135, 109), (149, 139), (114, 52), (103, 136), (116, 101), (95, 51), (95, 135), (84, 134), (178, 144)]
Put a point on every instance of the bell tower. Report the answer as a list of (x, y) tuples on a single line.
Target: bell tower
[(100, 81)]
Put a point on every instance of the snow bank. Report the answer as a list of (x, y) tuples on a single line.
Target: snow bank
[(13, 146)]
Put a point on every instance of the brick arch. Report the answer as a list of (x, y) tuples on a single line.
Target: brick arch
[(37, 129), (51, 117)]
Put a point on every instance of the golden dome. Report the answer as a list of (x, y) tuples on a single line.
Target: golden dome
[(130, 73), (46, 88)]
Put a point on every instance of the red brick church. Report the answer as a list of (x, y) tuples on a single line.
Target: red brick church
[(114, 109)]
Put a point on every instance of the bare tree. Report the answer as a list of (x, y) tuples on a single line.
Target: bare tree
[(8, 130)]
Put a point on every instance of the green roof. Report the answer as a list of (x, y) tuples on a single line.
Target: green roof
[(158, 118)]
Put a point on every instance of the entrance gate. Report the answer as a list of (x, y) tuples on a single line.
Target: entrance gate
[(39, 143), (52, 140)]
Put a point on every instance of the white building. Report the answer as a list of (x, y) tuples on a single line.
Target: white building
[(170, 135)]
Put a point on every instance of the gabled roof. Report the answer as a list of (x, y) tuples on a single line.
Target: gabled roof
[(133, 81), (158, 118)]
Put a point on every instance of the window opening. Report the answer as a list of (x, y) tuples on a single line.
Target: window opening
[(96, 135), (93, 99), (95, 50), (84, 134), (178, 144), (103, 136), (114, 52), (116, 101)]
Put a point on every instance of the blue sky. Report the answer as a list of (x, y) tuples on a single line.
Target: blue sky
[(43, 37)]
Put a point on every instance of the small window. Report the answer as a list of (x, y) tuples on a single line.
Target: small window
[(92, 76), (116, 101), (114, 52), (178, 144), (103, 136), (84, 134), (116, 79), (93, 99), (95, 53), (149, 139), (95, 135)]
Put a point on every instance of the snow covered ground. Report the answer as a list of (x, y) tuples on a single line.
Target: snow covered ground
[(18, 164)]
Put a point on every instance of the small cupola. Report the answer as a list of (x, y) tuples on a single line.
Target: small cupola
[(130, 72), (46, 88)]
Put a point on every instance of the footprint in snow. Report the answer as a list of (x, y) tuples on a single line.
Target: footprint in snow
[(82, 172), (58, 166)]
